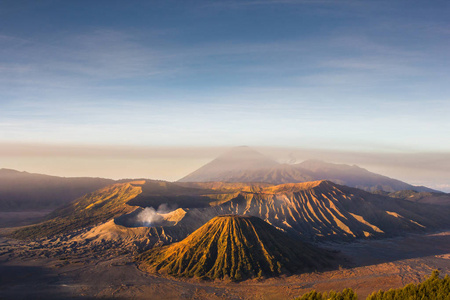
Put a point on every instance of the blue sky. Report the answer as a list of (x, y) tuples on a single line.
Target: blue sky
[(346, 75)]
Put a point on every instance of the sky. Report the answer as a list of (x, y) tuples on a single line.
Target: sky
[(127, 77)]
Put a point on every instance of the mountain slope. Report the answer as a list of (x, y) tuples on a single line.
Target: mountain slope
[(323, 210), (22, 191), (114, 201), (315, 211), (354, 176), (93, 208), (320, 210), (252, 166), (234, 247), (236, 160), (422, 197)]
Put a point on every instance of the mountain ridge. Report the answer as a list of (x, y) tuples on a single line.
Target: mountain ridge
[(309, 170), (314, 211), (20, 190)]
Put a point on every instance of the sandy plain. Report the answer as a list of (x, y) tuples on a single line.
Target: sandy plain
[(58, 269)]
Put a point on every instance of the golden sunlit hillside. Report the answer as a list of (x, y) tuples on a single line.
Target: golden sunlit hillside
[(235, 247)]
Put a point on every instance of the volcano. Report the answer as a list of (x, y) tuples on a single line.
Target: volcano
[(235, 247), (243, 164), (226, 167)]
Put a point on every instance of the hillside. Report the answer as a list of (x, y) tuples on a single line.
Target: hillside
[(234, 247), (235, 161), (422, 197), (22, 191), (323, 210), (92, 209), (252, 166), (354, 176), (115, 201), (314, 211), (318, 210)]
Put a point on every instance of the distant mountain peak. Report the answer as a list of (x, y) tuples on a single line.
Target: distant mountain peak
[(244, 164), (243, 152), (10, 171), (235, 160), (317, 164)]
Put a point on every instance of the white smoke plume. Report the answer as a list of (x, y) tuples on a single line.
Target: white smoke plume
[(150, 217)]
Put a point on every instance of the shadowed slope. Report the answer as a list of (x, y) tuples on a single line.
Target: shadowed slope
[(114, 201), (23, 191), (422, 197), (354, 176), (235, 247), (325, 210), (319, 210), (93, 208)]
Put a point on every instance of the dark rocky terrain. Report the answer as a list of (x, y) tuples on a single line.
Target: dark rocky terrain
[(52, 270)]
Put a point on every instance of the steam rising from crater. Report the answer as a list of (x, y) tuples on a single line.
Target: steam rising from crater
[(150, 217)]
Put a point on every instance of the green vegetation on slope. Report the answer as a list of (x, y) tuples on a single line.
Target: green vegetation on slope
[(234, 247), (346, 294), (93, 208), (434, 288)]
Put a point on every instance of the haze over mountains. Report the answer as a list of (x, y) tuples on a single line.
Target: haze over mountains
[(28, 191), (319, 210), (243, 164), (422, 197), (230, 230), (22, 191), (345, 102)]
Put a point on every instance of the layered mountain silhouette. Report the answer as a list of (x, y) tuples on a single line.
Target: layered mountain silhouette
[(243, 164), (323, 210), (114, 201), (235, 247), (319, 210), (29, 191), (91, 209)]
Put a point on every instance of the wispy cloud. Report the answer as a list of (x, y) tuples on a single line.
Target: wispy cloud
[(109, 59), (310, 81), (102, 54)]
